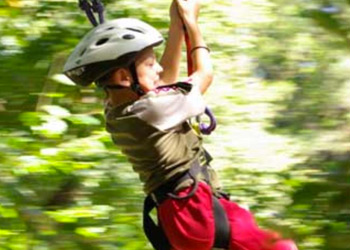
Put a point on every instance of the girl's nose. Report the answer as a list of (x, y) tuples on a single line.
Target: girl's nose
[(159, 68)]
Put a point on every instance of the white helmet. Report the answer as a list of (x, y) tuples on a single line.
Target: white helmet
[(108, 46)]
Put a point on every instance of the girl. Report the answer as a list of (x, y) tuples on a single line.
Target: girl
[(147, 113)]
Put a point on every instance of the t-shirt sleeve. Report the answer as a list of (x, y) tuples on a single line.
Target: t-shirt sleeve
[(167, 109)]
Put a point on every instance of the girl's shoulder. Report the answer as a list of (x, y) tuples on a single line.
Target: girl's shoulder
[(184, 87)]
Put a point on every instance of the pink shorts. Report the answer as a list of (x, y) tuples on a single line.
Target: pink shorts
[(189, 224)]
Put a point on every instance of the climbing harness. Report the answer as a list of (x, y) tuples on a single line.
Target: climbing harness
[(155, 233)]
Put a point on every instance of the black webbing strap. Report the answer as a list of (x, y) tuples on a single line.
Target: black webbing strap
[(135, 86), (222, 225), (154, 233), (89, 8)]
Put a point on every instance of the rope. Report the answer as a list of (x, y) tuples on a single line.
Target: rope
[(205, 129)]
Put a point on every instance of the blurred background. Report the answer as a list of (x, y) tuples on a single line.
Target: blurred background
[(281, 96)]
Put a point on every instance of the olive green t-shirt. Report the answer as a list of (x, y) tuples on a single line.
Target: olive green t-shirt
[(155, 135)]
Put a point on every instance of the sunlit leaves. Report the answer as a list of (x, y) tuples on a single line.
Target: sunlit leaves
[(76, 213), (7, 213), (281, 92), (52, 121), (62, 79), (327, 21), (84, 120), (90, 232), (51, 126), (56, 111)]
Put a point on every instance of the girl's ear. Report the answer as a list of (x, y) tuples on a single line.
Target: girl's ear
[(121, 77)]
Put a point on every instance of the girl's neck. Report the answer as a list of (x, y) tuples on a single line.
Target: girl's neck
[(121, 96)]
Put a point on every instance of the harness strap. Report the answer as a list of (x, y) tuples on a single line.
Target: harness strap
[(166, 191), (89, 8), (135, 86), (97, 7), (86, 6), (154, 232), (222, 225)]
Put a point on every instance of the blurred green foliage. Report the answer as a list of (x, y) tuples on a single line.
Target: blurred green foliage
[(281, 96)]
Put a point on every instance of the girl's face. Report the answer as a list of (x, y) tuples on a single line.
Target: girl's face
[(148, 70)]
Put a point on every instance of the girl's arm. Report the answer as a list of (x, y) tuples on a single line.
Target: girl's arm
[(170, 60), (202, 67)]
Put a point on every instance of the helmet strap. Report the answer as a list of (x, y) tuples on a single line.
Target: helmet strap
[(114, 87), (135, 86)]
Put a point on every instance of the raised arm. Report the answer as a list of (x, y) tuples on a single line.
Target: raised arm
[(202, 67), (170, 60)]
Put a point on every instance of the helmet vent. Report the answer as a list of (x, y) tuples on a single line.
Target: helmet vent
[(101, 41), (128, 37), (110, 28), (136, 30), (83, 52)]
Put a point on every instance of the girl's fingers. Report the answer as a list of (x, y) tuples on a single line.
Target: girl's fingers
[(188, 9), (186, 6)]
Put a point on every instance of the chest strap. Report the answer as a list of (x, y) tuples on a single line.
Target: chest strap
[(155, 233)]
